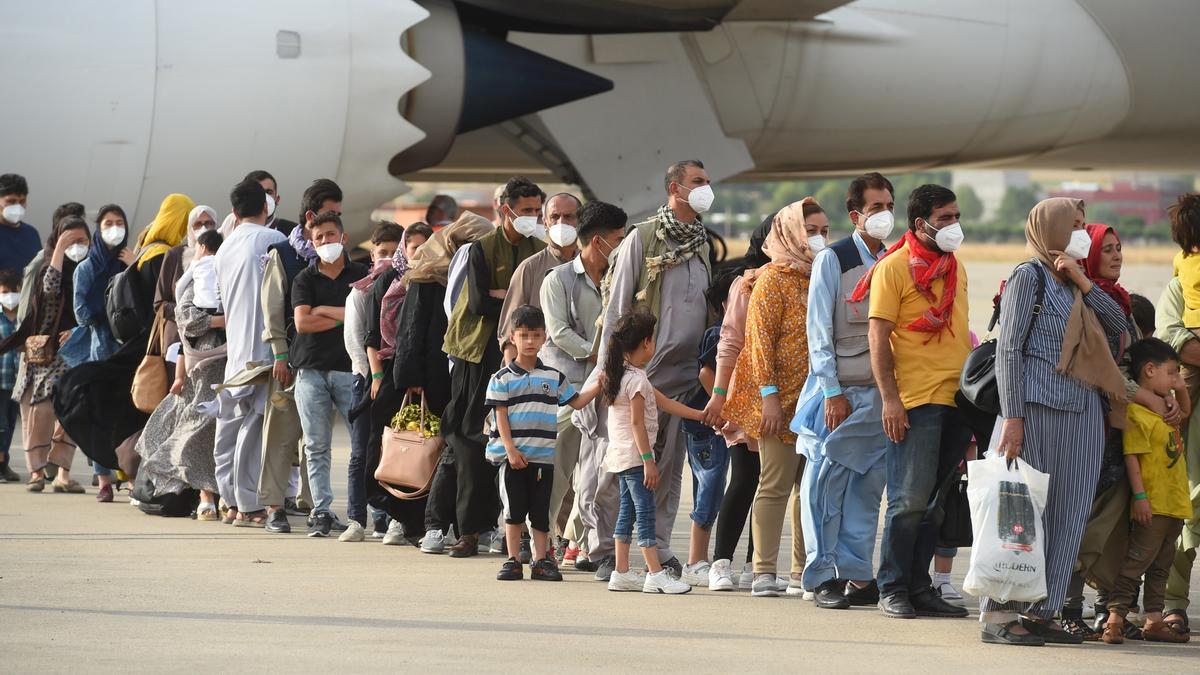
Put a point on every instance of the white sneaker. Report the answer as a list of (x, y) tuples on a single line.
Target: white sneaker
[(497, 542), (354, 532), (695, 575), (782, 583), (746, 580), (662, 582), (948, 592), (433, 542), (765, 585), (395, 534), (720, 576), (795, 587), (626, 581)]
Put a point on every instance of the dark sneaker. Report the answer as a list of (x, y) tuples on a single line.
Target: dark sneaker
[(320, 525), (7, 474), (897, 606), (862, 597), (673, 567), (585, 565), (525, 555), (605, 568), (511, 570), (291, 508), (277, 522), (929, 603), (545, 570), (829, 595)]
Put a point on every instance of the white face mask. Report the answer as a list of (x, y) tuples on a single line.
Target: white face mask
[(270, 207), (10, 300), (328, 253), (113, 235), (526, 226), (701, 198), (562, 234), (77, 252), (816, 243), (1080, 245), (13, 213), (949, 238), (880, 225)]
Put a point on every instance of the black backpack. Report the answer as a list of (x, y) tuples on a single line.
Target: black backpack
[(124, 305)]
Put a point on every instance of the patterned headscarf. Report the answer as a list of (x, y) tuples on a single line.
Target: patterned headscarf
[(301, 244), (787, 243), (690, 237)]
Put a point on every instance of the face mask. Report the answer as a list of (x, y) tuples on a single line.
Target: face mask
[(562, 234), (113, 235), (701, 198), (77, 252), (270, 207), (328, 253), (526, 226), (880, 225), (13, 213), (10, 300), (1080, 245), (816, 243), (949, 238)]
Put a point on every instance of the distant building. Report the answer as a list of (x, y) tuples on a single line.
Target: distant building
[(1127, 199)]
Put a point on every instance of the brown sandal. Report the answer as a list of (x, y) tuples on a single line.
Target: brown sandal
[(1159, 631), (1179, 623), (1114, 634), (252, 519)]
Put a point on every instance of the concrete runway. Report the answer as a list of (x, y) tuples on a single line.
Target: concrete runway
[(87, 587)]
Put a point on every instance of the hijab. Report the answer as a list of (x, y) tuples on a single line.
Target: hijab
[(787, 243), (1091, 265), (168, 229), (189, 253), (1086, 355), (431, 262)]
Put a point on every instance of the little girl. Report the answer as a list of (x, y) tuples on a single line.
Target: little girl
[(632, 422)]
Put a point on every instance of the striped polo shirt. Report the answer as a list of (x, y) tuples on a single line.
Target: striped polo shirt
[(532, 399)]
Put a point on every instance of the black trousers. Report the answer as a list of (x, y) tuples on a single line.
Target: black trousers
[(409, 512), (735, 506), (440, 507)]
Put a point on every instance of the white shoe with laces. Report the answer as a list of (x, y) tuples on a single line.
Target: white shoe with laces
[(765, 585), (626, 581), (720, 576), (354, 532), (695, 575), (434, 542), (395, 534), (746, 580), (662, 582)]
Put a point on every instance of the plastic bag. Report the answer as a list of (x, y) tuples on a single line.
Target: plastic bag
[(1008, 560)]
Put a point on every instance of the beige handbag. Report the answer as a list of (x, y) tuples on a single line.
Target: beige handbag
[(150, 385), (407, 460)]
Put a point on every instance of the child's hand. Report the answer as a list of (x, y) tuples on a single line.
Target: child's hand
[(177, 386), (516, 459), (1142, 513), (651, 479)]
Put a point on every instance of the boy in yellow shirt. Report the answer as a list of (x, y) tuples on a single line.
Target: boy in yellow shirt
[(1157, 468)]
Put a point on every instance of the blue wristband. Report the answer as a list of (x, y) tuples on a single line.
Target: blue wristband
[(768, 390), (830, 392)]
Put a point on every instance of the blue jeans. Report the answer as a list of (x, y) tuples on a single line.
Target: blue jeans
[(708, 459), (637, 499), (935, 443), (360, 431), (318, 394)]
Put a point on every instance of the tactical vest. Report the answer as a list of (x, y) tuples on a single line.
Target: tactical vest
[(851, 319)]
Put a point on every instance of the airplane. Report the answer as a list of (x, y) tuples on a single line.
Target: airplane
[(128, 100)]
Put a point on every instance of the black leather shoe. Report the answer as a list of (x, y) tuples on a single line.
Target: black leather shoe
[(277, 522), (1001, 634), (897, 606), (1051, 632), (545, 570), (584, 565), (829, 596), (867, 596), (510, 571), (929, 603)]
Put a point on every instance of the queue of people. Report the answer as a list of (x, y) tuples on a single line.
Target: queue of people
[(575, 362)]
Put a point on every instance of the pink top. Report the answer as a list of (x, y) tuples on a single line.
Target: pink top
[(622, 452)]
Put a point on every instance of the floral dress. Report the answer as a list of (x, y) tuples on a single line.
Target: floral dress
[(39, 380)]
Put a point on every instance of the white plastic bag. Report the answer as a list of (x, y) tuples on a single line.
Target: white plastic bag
[(1008, 560)]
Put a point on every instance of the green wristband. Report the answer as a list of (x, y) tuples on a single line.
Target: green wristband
[(720, 390), (338, 323), (376, 376), (648, 456), (281, 357), (1140, 496)]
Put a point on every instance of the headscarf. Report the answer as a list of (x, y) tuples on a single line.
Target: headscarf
[(190, 252), (431, 262), (168, 229), (301, 244), (787, 243), (1085, 352), (228, 225), (1091, 266), (926, 266)]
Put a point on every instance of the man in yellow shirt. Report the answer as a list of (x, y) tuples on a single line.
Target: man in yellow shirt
[(919, 339)]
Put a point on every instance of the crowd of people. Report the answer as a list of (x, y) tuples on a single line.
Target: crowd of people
[(575, 361)]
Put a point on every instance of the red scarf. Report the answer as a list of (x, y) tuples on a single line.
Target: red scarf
[(926, 267), (1091, 266)]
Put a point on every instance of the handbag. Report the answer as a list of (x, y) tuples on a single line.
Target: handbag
[(150, 385), (408, 460), (978, 379), (40, 350), (956, 509)]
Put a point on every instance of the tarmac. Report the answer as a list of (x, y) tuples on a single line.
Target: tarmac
[(87, 587)]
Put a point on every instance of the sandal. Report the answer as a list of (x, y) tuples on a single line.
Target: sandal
[(36, 484), (70, 487), (252, 519), (1079, 628), (1159, 631), (231, 515), (207, 512), (1177, 620), (1113, 633)]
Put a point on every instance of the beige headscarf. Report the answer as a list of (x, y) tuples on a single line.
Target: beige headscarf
[(1086, 355), (787, 243), (431, 262)]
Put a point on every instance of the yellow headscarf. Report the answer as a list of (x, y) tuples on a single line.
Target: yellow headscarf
[(168, 229)]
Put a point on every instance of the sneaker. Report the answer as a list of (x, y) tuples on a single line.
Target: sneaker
[(948, 592), (545, 570), (570, 554), (105, 494), (796, 587), (354, 532), (765, 585), (626, 581), (320, 525), (395, 534), (673, 567), (434, 542), (7, 474), (585, 564), (720, 576), (277, 522), (662, 582), (695, 575), (291, 508), (782, 583), (525, 555), (511, 570), (746, 579), (605, 568), (499, 543), (466, 547), (379, 529)]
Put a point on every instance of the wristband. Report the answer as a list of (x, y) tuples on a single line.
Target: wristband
[(768, 390), (376, 376), (337, 323), (721, 390), (647, 457), (281, 357), (1140, 496)]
